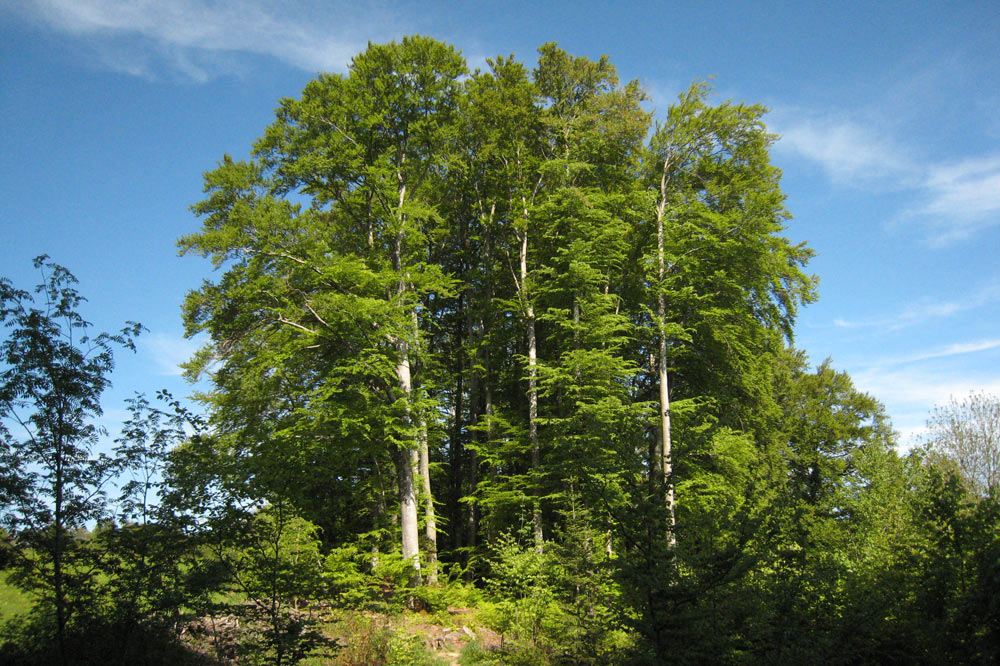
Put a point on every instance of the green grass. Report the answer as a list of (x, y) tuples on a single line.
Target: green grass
[(12, 600)]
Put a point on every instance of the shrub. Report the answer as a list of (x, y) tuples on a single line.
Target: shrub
[(371, 643)]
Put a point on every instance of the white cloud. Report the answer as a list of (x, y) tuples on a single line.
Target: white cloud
[(850, 152), (911, 387), (920, 386), (952, 200), (917, 313), (947, 351), (911, 430), (961, 198), (910, 396), (956, 349), (167, 352), (193, 38)]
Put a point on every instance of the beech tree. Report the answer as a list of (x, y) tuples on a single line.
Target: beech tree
[(494, 274), (506, 326), (335, 284), (491, 190)]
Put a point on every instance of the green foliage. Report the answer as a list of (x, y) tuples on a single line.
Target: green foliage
[(956, 567), (344, 575), (91, 640), (450, 594), (388, 582), (146, 560), (372, 644), (561, 331), (558, 606), (315, 322), (54, 371), (380, 582), (520, 579), (252, 544), (273, 560)]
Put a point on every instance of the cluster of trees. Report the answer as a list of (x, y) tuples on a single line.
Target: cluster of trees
[(510, 273), (501, 327)]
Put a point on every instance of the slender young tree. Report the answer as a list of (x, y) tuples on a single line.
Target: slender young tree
[(503, 126), (54, 372), (717, 254)]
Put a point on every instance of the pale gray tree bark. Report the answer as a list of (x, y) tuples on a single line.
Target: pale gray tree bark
[(430, 521), (665, 460), (409, 525), (536, 451)]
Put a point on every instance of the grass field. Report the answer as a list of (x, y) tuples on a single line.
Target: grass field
[(12, 600)]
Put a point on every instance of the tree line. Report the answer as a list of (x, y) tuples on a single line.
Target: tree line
[(502, 331)]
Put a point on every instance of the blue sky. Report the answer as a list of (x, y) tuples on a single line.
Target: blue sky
[(889, 112)]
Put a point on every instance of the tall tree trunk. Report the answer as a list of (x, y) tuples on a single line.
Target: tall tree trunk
[(423, 464), (456, 469), (58, 549), (654, 454), (430, 523), (471, 519), (536, 452), (480, 394), (665, 459), (409, 525), (473, 334)]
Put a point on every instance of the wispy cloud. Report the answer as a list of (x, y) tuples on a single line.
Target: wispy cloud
[(956, 349), (947, 351), (951, 199), (911, 394), (850, 152), (961, 198), (917, 313), (195, 39), (911, 386), (921, 385), (913, 314), (167, 352)]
